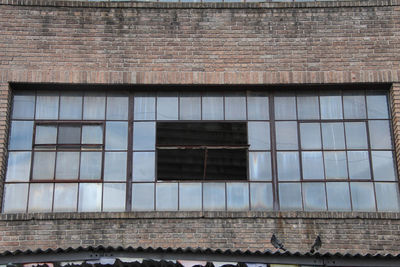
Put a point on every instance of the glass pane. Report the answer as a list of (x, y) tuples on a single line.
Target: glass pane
[(288, 166), (214, 196), (47, 105), (143, 197), (331, 106), (235, 106), (144, 106), (167, 196), (91, 165), (43, 165), (308, 106), (259, 135), (379, 134), (116, 135), (21, 135), (40, 197), (383, 166), (356, 135), (117, 107), (46, 134), (18, 166), (69, 134), (314, 196), (338, 196), (237, 196), (115, 166), (144, 135), (362, 196), (67, 166), (285, 106), (261, 196), (290, 196), (71, 106), (190, 106), (312, 165), (167, 106), (310, 135), (23, 106), (387, 196), (190, 196), (286, 135), (94, 106), (65, 197), (333, 135), (114, 197), (335, 165), (143, 166), (260, 166), (15, 198), (92, 134), (258, 107), (377, 106), (354, 105), (89, 197), (359, 165), (213, 106)]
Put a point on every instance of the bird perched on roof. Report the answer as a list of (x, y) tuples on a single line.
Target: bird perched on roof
[(277, 243), (317, 244)]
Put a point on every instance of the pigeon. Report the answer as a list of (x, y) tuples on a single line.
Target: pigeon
[(277, 243), (317, 245)]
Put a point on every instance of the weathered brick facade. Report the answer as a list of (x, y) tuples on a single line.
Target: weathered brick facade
[(204, 44)]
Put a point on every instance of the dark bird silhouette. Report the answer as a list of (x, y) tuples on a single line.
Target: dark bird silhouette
[(317, 245), (277, 243)]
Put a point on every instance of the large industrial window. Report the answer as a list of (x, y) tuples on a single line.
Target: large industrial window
[(263, 149)]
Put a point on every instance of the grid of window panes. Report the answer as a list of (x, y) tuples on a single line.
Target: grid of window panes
[(308, 150)]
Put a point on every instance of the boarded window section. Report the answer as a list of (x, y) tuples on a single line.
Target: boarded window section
[(202, 151)]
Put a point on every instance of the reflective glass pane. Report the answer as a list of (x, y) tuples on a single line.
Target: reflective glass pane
[(356, 135), (383, 166), (47, 105), (213, 106), (144, 135), (117, 107), (65, 197), (143, 197), (115, 166), (71, 106), (259, 135), (18, 166), (314, 196), (94, 106), (261, 196), (46, 134), (167, 106), (15, 198), (308, 107), (258, 106), (114, 197), (310, 135), (190, 106), (290, 196), (23, 105), (21, 135), (362, 196), (40, 197), (358, 165), (144, 106), (67, 165), (335, 165), (260, 166), (338, 196), (214, 196), (116, 135), (288, 166), (235, 106), (91, 165), (237, 196), (387, 196), (377, 106), (333, 135), (331, 106), (92, 134), (354, 105), (167, 196), (143, 166), (379, 134), (285, 106), (89, 197), (286, 135), (43, 165), (312, 165), (69, 134), (190, 196)]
